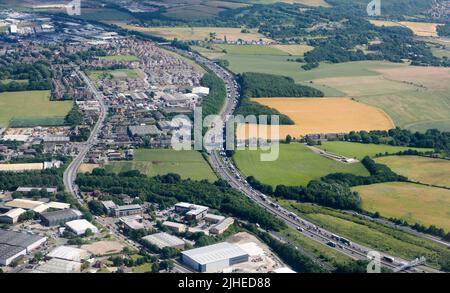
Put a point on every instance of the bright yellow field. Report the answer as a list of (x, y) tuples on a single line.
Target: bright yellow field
[(295, 50), (197, 33), (421, 29), (420, 169), (411, 202), (324, 115)]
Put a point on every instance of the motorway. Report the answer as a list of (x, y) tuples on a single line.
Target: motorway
[(227, 171)]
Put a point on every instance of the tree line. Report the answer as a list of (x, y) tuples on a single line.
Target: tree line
[(168, 189)]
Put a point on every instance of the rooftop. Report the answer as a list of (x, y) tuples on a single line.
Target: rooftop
[(68, 253), (213, 253), (163, 239), (18, 238), (24, 203)]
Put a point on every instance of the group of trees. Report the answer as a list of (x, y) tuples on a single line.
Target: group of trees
[(168, 189), (12, 180), (255, 85), (25, 77), (332, 190), (444, 30), (74, 117), (213, 103), (268, 85), (432, 138)]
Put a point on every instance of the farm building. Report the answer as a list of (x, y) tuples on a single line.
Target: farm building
[(163, 239), (60, 217), (79, 227), (12, 216), (214, 258)]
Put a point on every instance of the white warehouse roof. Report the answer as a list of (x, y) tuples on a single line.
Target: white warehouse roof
[(163, 239), (214, 253), (79, 227), (69, 253)]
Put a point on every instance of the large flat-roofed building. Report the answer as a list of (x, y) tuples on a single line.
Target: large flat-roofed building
[(12, 216), (133, 222), (52, 190), (143, 130), (214, 258), (9, 253), (127, 210), (59, 266), (16, 244), (163, 239), (24, 204), (60, 217), (68, 253), (191, 211), (79, 227), (24, 240)]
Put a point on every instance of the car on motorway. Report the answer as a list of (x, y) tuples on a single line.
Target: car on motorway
[(331, 244)]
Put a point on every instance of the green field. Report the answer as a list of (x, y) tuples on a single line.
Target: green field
[(360, 150), (408, 201), (125, 58), (420, 169), (152, 162), (97, 75), (296, 165), (32, 106), (250, 50), (372, 234)]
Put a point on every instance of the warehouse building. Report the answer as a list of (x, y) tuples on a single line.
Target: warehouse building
[(79, 227), (214, 218), (144, 130), (59, 266), (12, 216), (132, 222), (191, 211), (25, 204), (52, 190), (58, 218), (24, 240), (176, 227), (222, 226), (163, 239), (69, 253), (16, 244), (214, 258), (9, 253)]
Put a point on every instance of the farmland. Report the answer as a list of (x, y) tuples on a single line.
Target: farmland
[(152, 162), (411, 202), (31, 105), (296, 165), (359, 150), (377, 236), (197, 33), (421, 29), (325, 115), (420, 169)]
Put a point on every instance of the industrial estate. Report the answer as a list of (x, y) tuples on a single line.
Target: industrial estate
[(92, 103)]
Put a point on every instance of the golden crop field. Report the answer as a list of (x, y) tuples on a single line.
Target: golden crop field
[(412, 202), (197, 33), (421, 29), (420, 169), (21, 167), (323, 115)]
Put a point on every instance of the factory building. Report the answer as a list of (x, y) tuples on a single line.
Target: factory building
[(59, 266), (214, 218), (12, 216), (68, 253), (191, 211), (163, 239), (132, 222), (214, 258), (58, 218), (79, 227)]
